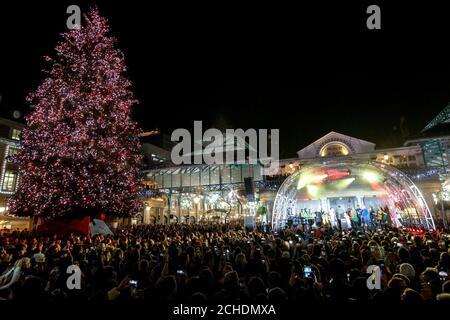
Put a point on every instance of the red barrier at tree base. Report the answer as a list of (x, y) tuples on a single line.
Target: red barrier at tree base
[(63, 227)]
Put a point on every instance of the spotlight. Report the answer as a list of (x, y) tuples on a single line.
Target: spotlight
[(371, 176), (312, 189)]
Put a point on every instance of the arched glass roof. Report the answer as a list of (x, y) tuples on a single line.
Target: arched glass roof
[(321, 183)]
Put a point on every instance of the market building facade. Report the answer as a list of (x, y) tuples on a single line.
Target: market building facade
[(240, 192), (10, 133)]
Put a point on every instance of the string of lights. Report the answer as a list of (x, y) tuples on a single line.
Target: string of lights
[(80, 149)]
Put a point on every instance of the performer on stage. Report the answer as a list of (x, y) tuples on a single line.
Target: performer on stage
[(333, 218), (396, 218)]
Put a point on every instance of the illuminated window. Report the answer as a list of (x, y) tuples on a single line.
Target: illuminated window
[(204, 177), (195, 177), (334, 149), (226, 174), (15, 134), (9, 181), (214, 175), (257, 173), (185, 179), (176, 180), (236, 174), (156, 158)]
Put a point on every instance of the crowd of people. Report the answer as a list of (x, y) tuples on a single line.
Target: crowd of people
[(367, 218), (226, 263)]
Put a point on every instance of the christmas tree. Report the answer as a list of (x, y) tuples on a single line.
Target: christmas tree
[(80, 149)]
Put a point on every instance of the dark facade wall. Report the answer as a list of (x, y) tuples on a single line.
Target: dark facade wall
[(4, 131)]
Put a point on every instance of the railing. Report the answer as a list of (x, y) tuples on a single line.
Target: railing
[(421, 174)]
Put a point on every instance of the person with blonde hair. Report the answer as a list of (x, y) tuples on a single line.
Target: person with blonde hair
[(411, 296), (240, 262), (16, 272)]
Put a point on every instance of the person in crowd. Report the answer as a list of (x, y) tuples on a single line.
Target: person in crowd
[(351, 215), (348, 223), (339, 216), (14, 275), (358, 218), (373, 216), (386, 217), (379, 217), (411, 296), (333, 218)]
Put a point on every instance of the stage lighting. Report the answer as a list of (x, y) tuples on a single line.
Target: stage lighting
[(334, 174), (344, 183), (319, 178), (302, 182), (371, 176), (307, 178), (312, 190)]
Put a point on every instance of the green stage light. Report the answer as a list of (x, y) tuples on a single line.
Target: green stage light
[(343, 183)]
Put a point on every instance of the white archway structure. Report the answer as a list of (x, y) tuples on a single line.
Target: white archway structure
[(323, 180)]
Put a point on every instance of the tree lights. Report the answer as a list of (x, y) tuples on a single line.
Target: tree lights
[(80, 149)]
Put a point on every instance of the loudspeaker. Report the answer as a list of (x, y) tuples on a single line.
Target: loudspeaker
[(249, 189)]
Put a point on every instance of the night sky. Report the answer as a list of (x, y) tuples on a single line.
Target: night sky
[(305, 70)]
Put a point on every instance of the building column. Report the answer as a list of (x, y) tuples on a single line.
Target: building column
[(165, 213), (169, 208), (179, 207), (196, 212), (146, 217)]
